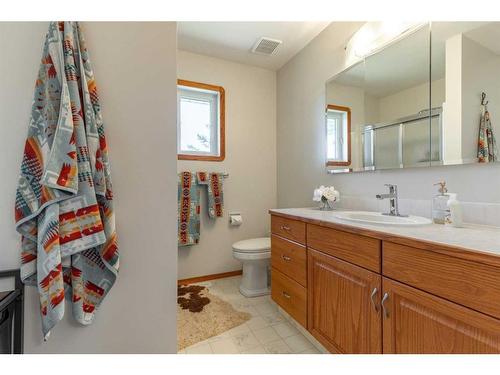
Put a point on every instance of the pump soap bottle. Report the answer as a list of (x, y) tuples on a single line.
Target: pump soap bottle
[(455, 217), (440, 209)]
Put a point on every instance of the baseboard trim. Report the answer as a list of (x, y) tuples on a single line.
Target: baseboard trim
[(214, 276)]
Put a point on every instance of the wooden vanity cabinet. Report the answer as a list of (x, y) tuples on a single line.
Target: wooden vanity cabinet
[(363, 293)]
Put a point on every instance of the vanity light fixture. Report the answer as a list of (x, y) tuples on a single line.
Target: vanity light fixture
[(374, 35)]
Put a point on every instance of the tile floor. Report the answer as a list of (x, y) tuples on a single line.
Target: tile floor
[(267, 332)]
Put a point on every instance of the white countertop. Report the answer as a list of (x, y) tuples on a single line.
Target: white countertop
[(472, 237)]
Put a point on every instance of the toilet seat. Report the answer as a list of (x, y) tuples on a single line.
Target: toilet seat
[(242, 255), (253, 245)]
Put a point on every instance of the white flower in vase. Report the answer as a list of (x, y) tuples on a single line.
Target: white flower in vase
[(327, 196), (318, 194)]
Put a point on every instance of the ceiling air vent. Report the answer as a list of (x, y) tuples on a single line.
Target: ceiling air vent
[(266, 46)]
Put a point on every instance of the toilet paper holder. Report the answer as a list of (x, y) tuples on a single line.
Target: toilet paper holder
[(235, 219)]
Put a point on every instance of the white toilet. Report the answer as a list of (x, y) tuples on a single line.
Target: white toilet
[(254, 254)]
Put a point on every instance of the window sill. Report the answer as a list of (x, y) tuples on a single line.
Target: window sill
[(200, 157)]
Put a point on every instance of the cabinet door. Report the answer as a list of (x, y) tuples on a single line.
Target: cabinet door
[(343, 305), (416, 322)]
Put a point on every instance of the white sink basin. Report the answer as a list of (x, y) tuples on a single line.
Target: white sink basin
[(377, 218)]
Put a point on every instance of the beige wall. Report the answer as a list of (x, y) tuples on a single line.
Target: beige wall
[(301, 143), (411, 100), (135, 67), (250, 161)]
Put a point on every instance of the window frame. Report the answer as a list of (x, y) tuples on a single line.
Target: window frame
[(221, 122), (347, 110)]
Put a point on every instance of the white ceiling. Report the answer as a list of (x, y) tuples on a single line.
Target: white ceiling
[(234, 40)]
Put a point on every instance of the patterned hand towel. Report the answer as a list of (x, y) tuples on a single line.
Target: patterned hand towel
[(188, 216), (215, 192), (487, 146), (64, 207)]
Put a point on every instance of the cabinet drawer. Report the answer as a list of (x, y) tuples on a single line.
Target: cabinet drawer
[(462, 281), (290, 295), (292, 229), (289, 258), (360, 250)]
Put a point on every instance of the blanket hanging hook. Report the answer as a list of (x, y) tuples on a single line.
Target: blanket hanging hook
[(483, 97)]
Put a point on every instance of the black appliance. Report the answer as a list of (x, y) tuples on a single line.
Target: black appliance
[(12, 315)]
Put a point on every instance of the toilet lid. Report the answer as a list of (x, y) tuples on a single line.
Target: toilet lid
[(253, 245)]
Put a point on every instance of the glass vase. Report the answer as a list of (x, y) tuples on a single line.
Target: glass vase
[(326, 205)]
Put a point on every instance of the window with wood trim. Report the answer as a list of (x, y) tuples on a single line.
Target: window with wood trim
[(200, 121), (338, 135)]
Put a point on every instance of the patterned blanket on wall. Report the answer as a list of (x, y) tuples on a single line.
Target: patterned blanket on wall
[(64, 201)]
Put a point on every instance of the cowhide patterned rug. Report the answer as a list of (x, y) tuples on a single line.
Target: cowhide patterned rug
[(201, 315)]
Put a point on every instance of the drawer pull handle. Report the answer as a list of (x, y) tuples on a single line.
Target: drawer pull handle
[(285, 227), (372, 297), (285, 294), (286, 258), (385, 298)]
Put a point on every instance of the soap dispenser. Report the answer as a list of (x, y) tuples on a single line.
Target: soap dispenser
[(455, 217), (440, 209)]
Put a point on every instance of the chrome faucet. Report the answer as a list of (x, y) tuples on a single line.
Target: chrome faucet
[(393, 200)]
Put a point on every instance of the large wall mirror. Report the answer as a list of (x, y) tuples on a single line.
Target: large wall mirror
[(429, 98)]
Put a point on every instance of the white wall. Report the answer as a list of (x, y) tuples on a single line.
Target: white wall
[(135, 67), (301, 146), (250, 161), (480, 72)]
